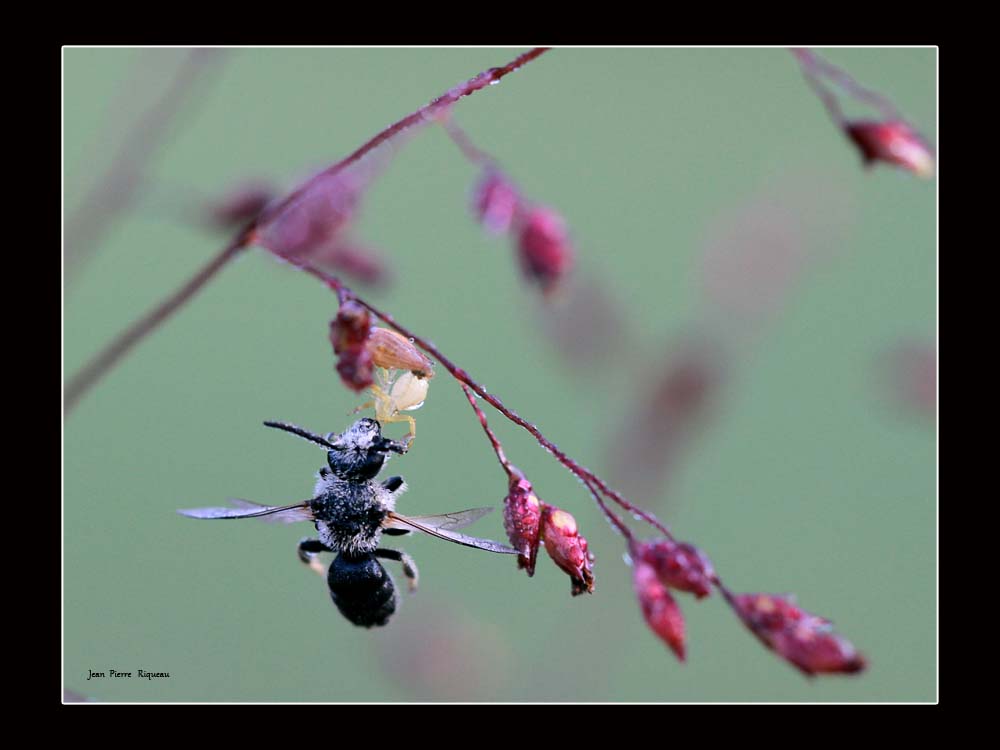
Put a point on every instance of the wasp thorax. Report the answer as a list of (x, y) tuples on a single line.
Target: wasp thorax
[(395, 352)]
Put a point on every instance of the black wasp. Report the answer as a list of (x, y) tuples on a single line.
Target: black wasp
[(351, 512)]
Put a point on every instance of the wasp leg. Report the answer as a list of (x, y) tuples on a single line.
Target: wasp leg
[(395, 485), (308, 549), (409, 565)]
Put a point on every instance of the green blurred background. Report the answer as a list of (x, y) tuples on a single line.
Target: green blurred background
[(807, 478)]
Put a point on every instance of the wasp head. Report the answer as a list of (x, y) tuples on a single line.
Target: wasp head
[(360, 451)]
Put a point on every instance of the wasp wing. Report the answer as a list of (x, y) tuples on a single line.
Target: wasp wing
[(443, 527), (248, 509)]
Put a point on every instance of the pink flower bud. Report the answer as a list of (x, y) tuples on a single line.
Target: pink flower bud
[(349, 332), (893, 142), (659, 608), (544, 248), (680, 566), (805, 640), (522, 514), (495, 202), (567, 548), (315, 214)]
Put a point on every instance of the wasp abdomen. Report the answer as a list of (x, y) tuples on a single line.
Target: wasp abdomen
[(362, 589)]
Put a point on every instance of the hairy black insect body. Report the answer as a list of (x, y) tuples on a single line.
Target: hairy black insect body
[(362, 589), (351, 511)]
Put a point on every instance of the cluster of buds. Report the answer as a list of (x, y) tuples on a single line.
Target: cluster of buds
[(529, 522), (893, 142), (663, 564), (544, 250), (804, 639), (349, 334)]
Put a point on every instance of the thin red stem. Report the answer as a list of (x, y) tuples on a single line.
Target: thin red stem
[(462, 376), (84, 379), (427, 113), (814, 67), (494, 441)]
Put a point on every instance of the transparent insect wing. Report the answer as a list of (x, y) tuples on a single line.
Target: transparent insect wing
[(443, 527), (247, 509)]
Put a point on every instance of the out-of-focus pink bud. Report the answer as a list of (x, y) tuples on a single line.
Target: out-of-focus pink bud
[(680, 566), (910, 371), (240, 204), (495, 202), (568, 549), (803, 639), (313, 217), (544, 248), (349, 333), (522, 515), (893, 142), (658, 607)]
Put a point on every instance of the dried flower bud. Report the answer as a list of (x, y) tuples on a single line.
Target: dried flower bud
[(658, 607), (804, 639), (495, 202), (544, 248), (349, 333), (351, 328), (240, 204), (522, 515), (355, 369), (567, 548), (396, 352), (893, 142), (680, 566)]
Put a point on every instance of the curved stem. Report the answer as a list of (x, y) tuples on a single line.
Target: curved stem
[(461, 375)]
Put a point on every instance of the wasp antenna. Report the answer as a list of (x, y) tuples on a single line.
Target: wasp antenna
[(295, 430)]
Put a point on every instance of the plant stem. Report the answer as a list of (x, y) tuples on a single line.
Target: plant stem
[(97, 367), (462, 376)]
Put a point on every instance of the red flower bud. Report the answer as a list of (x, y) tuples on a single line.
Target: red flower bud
[(567, 548), (355, 369), (351, 328), (659, 608), (680, 566), (805, 640), (495, 202), (893, 142), (522, 514), (544, 248), (349, 332)]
